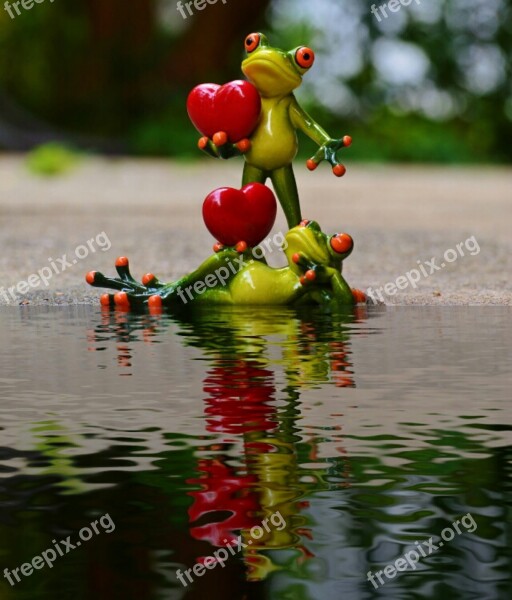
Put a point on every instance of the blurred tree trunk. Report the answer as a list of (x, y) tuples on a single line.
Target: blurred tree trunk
[(121, 22), (208, 45), (100, 66), (204, 49)]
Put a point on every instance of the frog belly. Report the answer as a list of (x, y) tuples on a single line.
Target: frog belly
[(274, 144), (260, 284)]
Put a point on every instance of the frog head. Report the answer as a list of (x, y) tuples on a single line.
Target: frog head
[(275, 72), (308, 246)]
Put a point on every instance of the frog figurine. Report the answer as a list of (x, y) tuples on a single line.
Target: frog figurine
[(239, 275), (273, 145), (231, 277)]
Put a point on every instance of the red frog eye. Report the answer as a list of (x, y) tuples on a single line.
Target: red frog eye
[(305, 57), (252, 41), (342, 243)]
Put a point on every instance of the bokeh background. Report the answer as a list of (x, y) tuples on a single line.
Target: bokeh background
[(431, 83)]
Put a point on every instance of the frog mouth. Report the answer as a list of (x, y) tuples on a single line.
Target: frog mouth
[(264, 67)]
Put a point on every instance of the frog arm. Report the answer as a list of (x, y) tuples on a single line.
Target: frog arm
[(327, 284), (303, 121), (329, 147)]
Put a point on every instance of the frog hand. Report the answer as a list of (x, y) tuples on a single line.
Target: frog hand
[(324, 281), (329, 151), (311, 272), (219, 146)]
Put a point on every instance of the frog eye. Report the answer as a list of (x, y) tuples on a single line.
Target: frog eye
[(305, 57), (252, 41), (342, 243)]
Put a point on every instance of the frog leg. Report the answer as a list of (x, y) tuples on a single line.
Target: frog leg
[(212, 279), (253, 175), (285, 186), (284, 183), (342, 291)]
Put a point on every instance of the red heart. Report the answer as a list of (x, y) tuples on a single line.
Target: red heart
[(247, 215), (234, 108)]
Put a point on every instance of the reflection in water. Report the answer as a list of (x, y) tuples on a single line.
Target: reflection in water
[(241, 404), (272, 437)]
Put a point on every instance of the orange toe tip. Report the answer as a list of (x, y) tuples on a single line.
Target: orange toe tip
[(339, 170), (155, 302), (220, 138), (241, 247), (202, 143), (303, 280), (218, 247), (244, 145), (347, 141), (311, 164), (148, 278), (296, 258), (90, 277), (122, 261), (310, 275), (121, 299), (105, 300), (359, 296)]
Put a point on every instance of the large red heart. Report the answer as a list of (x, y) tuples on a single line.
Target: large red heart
[(234, 108), (247, 215)]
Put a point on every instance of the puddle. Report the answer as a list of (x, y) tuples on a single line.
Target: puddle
[(330, 443)]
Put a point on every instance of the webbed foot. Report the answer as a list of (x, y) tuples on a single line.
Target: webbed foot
[(359, 296), (130, 293)]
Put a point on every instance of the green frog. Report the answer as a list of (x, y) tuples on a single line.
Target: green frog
[(230, 277), (273, 145)]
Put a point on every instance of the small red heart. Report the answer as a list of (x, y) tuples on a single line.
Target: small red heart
[(234, 108), (245, 215)]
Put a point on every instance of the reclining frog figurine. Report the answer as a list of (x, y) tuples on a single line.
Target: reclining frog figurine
[(230, 277)]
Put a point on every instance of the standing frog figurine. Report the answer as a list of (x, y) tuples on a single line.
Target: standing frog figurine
[(273, 145)]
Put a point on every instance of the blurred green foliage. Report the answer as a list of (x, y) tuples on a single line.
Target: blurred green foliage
[(430, 83), (51, 159)]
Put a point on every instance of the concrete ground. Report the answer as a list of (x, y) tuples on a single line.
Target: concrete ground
[(150, 210)]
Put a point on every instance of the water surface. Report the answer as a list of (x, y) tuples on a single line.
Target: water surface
[(352, 436)]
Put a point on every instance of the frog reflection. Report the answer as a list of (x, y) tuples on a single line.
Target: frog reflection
[(241, 406)]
